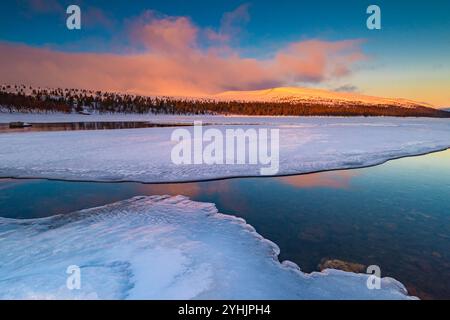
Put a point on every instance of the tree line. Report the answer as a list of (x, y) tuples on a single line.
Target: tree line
[(28, 99)]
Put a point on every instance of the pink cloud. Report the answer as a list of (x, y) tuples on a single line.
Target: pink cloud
[(231, 24), (174, 63), (45, 6), (93, 16), (234, 21), (315, 60), (169, 35)]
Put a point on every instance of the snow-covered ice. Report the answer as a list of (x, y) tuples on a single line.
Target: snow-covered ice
[(160, 247), (306, 145), (171, 247)]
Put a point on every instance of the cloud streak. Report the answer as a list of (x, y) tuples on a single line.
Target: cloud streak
[(174, 61), (44, 6)]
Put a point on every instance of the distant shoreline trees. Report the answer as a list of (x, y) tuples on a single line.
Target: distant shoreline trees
[(28, 99)]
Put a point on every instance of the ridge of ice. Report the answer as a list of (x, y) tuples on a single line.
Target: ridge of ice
[(161, 247)]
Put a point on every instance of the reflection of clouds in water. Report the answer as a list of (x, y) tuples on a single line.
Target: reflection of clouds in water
[(331, 179), (221, 189), (187, 189), (230, 195)]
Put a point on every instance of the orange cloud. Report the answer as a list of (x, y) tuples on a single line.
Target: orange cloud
[(175, 63)]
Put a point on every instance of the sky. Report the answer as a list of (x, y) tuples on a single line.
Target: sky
[(204, 47)]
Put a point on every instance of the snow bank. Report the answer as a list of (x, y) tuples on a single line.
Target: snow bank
[(144, 155), (160, 247)]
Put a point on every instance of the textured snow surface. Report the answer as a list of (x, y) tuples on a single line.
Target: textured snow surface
[(160, 247), (306, 145)]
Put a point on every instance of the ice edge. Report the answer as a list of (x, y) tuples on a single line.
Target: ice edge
[(210, 210)]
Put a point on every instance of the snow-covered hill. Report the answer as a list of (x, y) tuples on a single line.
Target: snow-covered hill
[(309, 95), (290, 101)]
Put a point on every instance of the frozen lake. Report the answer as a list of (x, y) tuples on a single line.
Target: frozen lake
[(395, 215)]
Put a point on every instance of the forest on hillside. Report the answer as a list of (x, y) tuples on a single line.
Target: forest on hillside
[(28, 99)]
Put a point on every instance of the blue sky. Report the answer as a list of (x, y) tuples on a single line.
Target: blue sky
[(413, 44), (404, 22)]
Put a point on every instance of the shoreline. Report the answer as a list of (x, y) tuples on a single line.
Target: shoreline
[(231, 177)]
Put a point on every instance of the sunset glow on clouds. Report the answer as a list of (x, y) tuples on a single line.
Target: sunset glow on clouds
[(156, 47), (175, 63)]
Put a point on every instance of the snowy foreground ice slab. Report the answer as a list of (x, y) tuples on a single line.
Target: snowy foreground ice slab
[(160, 247), (306, 145)]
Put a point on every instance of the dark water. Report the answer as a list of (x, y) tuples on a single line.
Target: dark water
[(396, 215), (70, 126)]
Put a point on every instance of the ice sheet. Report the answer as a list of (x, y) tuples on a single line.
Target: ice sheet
[(306, 145), (160, 247)]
